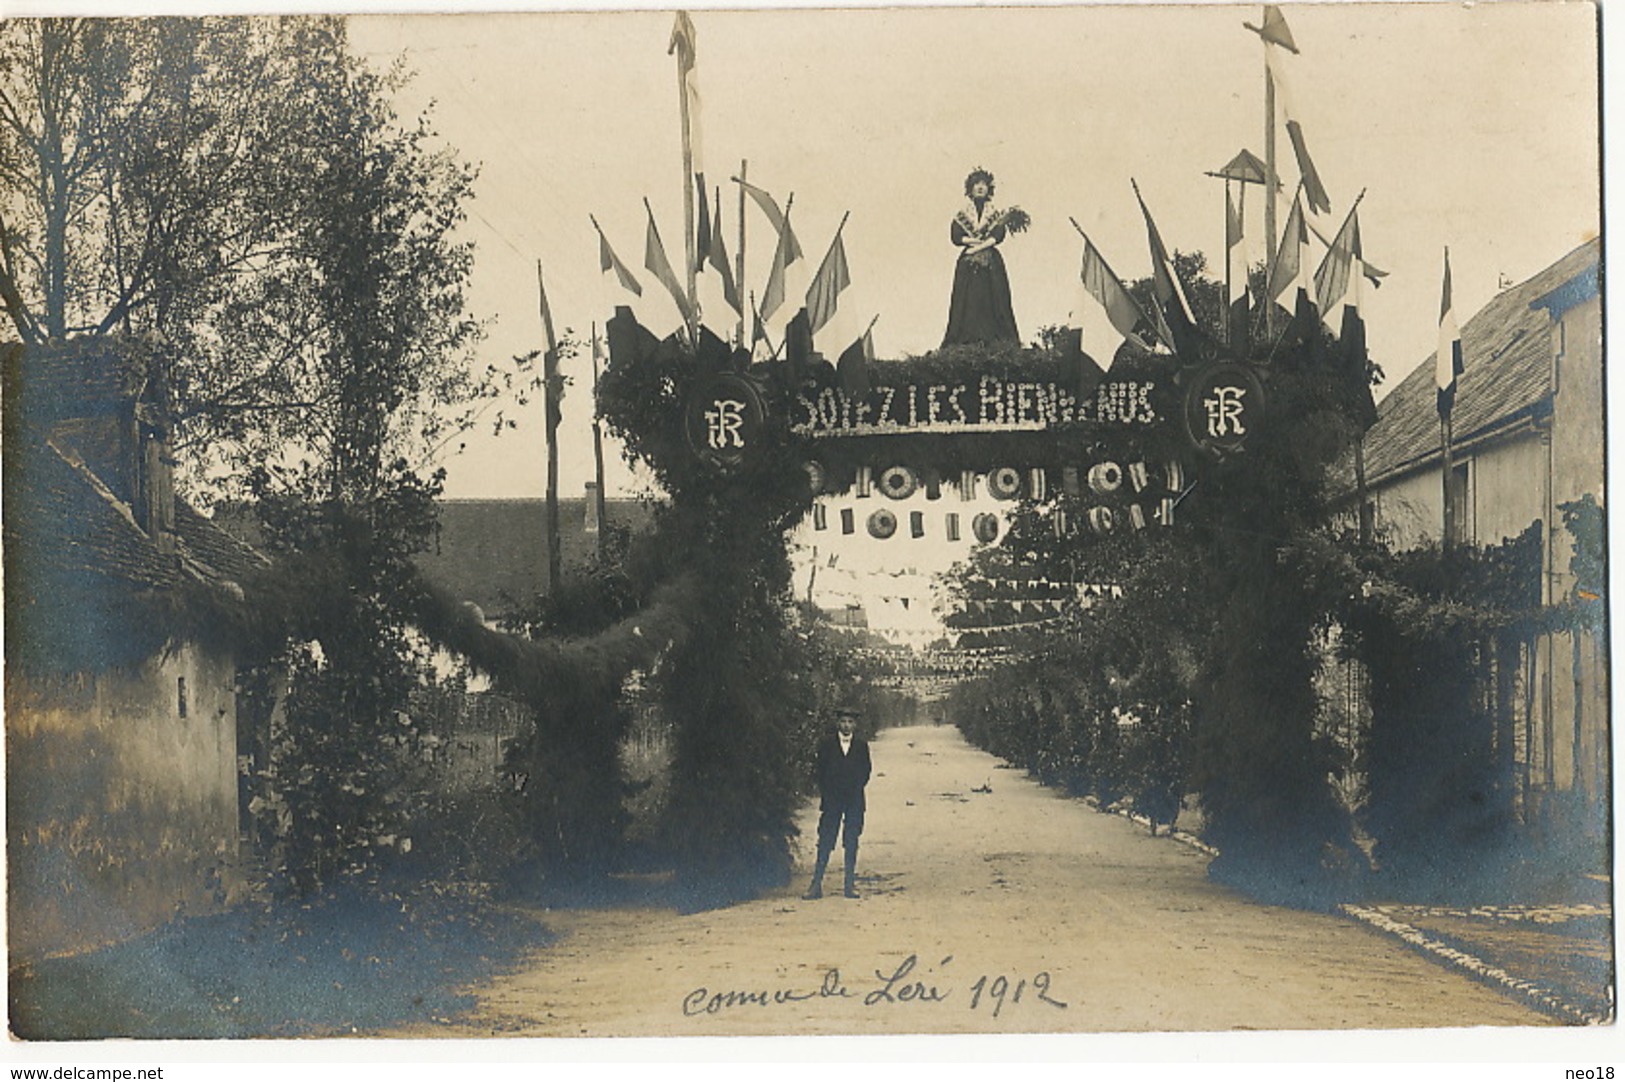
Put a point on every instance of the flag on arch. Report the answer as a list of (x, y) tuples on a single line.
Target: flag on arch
[(1373, 273), (853, 365), (1275, 30), (609, 261), (655, 261), (1294, 274), (684, 42), (770, 207), (1292, 259), (715, 255), (787, 251), (1356, 365), (1447, 360), (832, 277), (1333, 280), (1277, 37), (1122, 309), (702, 227), (798, 346), (1173, 310)]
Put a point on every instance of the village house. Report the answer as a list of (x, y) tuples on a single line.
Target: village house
[(1528, 439), (123, 787)]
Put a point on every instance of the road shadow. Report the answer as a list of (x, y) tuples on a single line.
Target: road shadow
[(346, 962)]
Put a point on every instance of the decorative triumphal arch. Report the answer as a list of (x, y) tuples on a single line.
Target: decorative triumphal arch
[(1112, 451), (748, 451)]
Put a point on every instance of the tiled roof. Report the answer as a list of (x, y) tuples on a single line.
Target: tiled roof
[(1507, 354), (66, 520), (63, 516), (494, 552), (219, 553)]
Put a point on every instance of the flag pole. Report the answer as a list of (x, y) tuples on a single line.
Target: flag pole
[(1246, 267), (1449, 467), (598, 447), (1229, 272), (551, 406), (689, 240), (1445, 434), (1272, 186), (761, 324), (1360, 491), (739, 257)]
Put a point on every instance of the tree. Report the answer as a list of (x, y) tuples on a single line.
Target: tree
[(368, 308), (241, 189)]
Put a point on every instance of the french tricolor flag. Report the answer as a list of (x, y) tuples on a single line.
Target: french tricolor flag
[(1447, 362)]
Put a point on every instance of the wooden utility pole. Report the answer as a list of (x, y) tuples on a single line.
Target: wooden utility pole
[(552, 392)]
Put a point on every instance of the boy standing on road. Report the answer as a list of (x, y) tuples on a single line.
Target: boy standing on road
[(843, 771)]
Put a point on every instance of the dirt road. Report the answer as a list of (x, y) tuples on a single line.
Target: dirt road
[(989, 905)]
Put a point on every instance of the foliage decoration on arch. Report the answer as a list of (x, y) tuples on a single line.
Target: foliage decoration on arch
[(1122, 449)]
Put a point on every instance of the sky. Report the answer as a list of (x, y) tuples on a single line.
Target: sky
[(1469, 125), (1474, 127)]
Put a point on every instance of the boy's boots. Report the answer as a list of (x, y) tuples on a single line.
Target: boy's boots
[(815, 889)]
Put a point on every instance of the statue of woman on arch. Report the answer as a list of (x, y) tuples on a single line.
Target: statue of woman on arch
[(979, 310)]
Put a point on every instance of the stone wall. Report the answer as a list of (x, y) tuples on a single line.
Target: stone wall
[(121, 800)]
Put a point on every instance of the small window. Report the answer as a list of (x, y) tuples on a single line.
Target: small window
[(180, 696), (1461, 530)]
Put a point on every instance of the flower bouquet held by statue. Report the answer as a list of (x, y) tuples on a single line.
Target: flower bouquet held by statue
[(979, 310), (985, 232)]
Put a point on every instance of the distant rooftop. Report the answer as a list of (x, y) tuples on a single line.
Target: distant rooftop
[(493, 552)]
